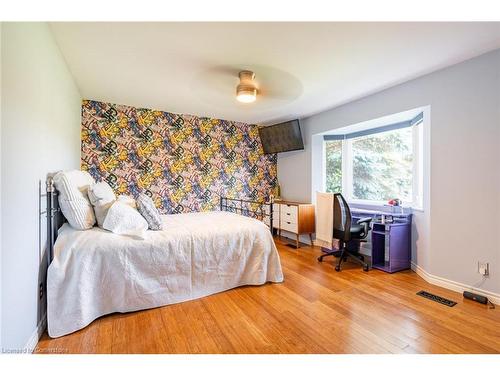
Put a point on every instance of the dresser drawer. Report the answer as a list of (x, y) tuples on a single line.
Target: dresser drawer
[(289, 213), (276, 209), (276, 220), (289, 226)]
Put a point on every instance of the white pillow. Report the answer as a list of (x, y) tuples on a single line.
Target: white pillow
[(128, 200), (123, 219), (73, 198), (101, 196)]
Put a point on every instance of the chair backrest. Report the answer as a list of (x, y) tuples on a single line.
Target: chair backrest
[(341, 218)]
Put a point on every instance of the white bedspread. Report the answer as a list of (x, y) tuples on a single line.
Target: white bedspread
[(96, 272)]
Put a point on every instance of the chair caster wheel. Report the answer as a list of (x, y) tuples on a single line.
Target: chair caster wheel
[(320, 259), (337, 268), (365, 268)]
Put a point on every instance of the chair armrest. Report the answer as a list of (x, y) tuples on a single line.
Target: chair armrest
[(364, 220)]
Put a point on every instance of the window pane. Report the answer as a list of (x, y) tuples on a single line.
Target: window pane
[(382, 166), (333, 166)]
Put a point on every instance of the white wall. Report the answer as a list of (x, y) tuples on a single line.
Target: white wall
[(461, 225), (40, 133)]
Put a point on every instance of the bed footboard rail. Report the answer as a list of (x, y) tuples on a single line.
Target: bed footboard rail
[(256, 209)]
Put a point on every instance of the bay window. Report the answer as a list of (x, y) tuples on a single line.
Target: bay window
[(376, 165)]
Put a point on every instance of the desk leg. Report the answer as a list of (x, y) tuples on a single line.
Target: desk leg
[(297, 241)]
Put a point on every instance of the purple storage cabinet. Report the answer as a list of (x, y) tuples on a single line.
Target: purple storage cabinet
[(390, 242)]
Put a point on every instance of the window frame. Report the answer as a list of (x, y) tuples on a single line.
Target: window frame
[(347, 169)]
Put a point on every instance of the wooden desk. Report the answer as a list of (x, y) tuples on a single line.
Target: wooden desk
[(294, 217)]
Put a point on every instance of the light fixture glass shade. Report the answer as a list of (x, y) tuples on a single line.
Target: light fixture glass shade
[(246, 92), (247, 95)]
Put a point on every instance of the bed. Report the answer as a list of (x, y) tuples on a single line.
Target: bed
[(95, 272)]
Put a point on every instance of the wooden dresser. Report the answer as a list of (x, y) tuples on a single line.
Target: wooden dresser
[(294, 217)]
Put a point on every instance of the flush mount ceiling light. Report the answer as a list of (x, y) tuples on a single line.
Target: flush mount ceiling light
[(246, 92)]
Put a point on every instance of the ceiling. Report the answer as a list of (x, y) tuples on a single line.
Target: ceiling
[(301, 68)]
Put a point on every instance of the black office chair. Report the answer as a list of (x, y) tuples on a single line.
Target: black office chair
[(348, 234)]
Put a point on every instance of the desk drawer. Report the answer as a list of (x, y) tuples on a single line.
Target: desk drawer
[(289, 213), (289, 226)]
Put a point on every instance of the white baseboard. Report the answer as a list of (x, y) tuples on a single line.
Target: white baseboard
[(453, 285), (37, 333), (448, 284)]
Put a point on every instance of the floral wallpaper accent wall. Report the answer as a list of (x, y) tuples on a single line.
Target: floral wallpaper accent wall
[(185, 163)]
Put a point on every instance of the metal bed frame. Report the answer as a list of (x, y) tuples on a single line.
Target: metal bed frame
[(244, 207), (55, 218)]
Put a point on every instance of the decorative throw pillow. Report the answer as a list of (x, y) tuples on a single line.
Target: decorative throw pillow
[(73, 199), (148, 210), (101, 196), (125, 220), (128, 200)]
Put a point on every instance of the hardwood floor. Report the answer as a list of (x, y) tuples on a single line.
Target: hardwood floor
[(315, 310)]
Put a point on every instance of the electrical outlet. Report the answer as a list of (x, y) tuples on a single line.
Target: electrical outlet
[(483, 268), (40, 291)]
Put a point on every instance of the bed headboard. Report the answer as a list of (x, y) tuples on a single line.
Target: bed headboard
[(258, 210)]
